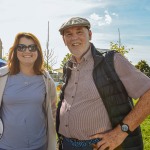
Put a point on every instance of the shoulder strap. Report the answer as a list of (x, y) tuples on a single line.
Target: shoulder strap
[(109, 57)]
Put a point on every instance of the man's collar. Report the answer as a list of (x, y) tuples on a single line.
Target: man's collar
[(85, 57)]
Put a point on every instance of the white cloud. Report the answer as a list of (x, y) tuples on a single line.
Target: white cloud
[(101, 20), (95, 17), (114, 14), (108, 18)]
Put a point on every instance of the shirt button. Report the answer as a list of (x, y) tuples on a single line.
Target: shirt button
[(76, 83), (66, 125), (72, 96)]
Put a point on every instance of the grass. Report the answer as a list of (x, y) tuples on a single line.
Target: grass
[(145, 126)]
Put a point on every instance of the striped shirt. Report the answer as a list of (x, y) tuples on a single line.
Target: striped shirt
[(83, 113)]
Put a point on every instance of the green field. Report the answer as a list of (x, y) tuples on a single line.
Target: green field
[(146, 133), (145, 126)]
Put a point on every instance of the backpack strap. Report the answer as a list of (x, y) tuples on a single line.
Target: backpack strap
[(109, 57)]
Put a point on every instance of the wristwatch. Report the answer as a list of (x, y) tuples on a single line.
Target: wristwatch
[(125, 127)]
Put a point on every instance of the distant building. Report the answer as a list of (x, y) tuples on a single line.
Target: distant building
[(1, 48), (57, 75), (59, 70)]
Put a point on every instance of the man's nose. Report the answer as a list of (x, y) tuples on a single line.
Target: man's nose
[(74, 36)]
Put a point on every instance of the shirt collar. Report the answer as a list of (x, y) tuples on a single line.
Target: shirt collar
[(85, 57)]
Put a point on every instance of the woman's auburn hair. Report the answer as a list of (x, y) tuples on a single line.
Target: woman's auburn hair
[(13, 62)]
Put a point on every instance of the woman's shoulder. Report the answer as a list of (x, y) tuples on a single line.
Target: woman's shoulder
[(47, 75), (4, 71)]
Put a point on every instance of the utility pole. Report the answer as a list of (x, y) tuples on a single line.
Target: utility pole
[(1, 48), (119, 39), (49, 54)]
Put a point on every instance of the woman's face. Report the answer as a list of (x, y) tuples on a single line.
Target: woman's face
[(27, 51)]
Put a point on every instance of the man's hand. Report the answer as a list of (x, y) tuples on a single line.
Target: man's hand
[(109, 140)]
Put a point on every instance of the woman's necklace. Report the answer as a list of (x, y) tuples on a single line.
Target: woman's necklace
[(26, 82), (26, 79)]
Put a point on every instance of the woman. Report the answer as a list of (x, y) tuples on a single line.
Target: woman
[(28, 98)]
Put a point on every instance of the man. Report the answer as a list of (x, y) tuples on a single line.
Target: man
[(95, 108)]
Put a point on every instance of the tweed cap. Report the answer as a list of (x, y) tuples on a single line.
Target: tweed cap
[(75, 21)]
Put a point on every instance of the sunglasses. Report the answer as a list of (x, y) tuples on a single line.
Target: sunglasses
[(22, 48)]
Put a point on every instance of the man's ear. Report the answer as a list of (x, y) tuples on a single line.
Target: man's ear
[(90, 34), (64, 40)]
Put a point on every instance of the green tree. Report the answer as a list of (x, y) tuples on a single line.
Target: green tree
[(143, 67), (5, 58), (119, 48), (66, 58)]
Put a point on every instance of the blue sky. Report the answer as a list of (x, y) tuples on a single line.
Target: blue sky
[(132, 17)]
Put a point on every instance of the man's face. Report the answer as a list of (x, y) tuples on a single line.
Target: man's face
[(77, 40)]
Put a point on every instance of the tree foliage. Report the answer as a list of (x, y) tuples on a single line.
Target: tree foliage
[(5, 58), (66, 58), (143, 67), (119, 48)]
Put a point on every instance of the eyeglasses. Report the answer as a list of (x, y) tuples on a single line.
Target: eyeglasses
[(22, 48)]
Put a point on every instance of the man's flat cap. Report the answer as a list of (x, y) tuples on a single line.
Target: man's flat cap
[(75, 21)]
